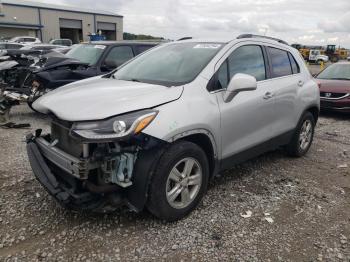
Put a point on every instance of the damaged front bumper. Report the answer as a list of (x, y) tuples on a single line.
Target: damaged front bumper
[(72, 181)]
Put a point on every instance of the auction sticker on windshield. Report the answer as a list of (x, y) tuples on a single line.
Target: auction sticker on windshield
[(100, 46), (211, 46)]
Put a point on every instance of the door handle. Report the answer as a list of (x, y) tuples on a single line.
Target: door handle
[(268, 95), (300, 83)]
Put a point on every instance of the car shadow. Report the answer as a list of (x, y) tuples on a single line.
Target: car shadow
[(335, 115)]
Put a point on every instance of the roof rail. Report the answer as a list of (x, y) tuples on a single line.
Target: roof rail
[(184, 38), (261, 36)]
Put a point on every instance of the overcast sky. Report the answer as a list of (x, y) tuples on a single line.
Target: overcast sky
[(297, 21)]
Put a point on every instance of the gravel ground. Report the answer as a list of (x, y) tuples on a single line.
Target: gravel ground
[(300, 210)]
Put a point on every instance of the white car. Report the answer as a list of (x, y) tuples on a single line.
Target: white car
[(25, 40), (153, 132)]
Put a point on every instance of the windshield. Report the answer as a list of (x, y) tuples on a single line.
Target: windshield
[(86, 53), (172, 64), (336, 71)]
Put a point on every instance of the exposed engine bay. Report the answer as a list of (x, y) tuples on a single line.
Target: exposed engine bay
[(95, 176)]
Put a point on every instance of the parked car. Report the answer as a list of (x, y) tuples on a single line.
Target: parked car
[(9, 45), (82, 61), (41, 47), (64, 42), (25, 40), (156, 130), (334, 84)]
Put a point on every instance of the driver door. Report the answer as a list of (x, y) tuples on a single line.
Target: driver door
[(246, 121)]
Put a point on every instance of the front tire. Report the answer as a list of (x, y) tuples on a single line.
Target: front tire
[(303, 136), (179, 182)]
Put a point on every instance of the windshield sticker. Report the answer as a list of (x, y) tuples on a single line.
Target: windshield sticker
[(100, 46), (210, 46)]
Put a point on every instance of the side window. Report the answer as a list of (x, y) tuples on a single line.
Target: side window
[(29, 40), (118, 56), (293, 62), (249, 60), (142, 48), (280, 62)]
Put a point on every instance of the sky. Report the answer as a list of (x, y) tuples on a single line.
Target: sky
[(316, 22)]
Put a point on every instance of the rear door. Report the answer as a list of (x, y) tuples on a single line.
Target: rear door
[(246, 121), (285, 79)]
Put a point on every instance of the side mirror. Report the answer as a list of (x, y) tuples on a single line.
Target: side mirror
[(109, 65), (239, 83)]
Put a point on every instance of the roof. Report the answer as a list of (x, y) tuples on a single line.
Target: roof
[(249, 37), (61, 7), (122, 42)]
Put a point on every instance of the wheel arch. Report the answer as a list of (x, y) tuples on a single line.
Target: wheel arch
[(314, 110), (205, 140)]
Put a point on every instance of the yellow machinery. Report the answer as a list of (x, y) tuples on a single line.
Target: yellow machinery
[(334, 54), (342, 53)]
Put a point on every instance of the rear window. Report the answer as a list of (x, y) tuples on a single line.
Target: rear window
[(280, 62)]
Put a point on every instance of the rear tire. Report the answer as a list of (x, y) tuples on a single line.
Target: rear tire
[(179, 182), (303, 136)]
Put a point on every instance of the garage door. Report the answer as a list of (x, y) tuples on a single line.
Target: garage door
[(106, 26), (70, 23)]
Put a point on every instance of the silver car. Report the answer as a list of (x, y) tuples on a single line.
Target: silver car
[(154, 132)]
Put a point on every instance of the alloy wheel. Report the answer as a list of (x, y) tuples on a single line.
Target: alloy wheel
[(305, 135), (183, 183)]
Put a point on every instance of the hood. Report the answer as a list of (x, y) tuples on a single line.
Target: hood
[(51, 62), (99, 98), (7, 65), (334, 86)]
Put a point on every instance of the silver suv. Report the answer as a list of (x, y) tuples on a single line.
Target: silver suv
[(153, 133)]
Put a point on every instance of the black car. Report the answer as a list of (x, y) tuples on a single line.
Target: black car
[(82, 61)]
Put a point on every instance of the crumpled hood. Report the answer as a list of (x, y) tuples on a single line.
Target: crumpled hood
[(99, 98)]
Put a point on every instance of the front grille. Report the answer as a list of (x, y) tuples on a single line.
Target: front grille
[(331, 95), (60, 131)]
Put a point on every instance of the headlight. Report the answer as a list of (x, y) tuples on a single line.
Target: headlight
[(115, 127)]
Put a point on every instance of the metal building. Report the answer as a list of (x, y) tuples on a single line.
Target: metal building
[(48, 21)]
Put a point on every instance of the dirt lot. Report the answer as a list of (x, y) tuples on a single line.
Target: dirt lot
[(307, 201)]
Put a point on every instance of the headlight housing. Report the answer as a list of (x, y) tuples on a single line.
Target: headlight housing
[(115, 127)]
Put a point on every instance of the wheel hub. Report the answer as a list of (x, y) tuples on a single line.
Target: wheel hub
[(183, 183)]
